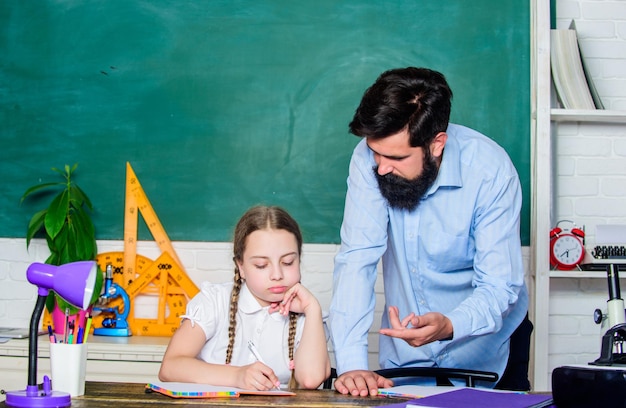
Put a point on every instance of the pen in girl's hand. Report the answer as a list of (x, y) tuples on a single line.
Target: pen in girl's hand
[(254, 352), (258, 358)]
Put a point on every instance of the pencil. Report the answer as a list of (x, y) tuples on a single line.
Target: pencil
[(87, 327), (51, 335), (70, 339), (67, 325)]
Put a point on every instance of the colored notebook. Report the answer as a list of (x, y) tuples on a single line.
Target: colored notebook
[(192, 390)]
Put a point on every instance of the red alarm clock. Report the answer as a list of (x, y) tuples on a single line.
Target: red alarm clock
[(567, 247)]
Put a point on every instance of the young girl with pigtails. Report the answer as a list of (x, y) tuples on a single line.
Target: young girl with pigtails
[(263, 329)]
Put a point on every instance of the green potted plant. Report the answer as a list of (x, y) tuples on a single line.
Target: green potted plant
[(68, 229)]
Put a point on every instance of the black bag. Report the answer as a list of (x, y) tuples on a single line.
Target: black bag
[(589, 386)]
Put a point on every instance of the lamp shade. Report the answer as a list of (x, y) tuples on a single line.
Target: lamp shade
[(74, 281)]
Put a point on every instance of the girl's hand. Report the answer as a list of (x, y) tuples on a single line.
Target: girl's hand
[(257, 376), (297, 299)]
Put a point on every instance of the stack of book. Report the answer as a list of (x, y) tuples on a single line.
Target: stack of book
[(572, 81)]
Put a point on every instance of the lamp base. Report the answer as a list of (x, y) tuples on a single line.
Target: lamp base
[(32, 396)]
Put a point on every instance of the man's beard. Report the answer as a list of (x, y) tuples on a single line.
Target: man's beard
[(405, 194)]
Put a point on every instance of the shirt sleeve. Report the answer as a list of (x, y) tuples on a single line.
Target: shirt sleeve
[(204, 309), (363, 241)]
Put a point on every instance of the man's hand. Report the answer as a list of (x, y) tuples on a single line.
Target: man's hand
[(361, 383), (424, 329)]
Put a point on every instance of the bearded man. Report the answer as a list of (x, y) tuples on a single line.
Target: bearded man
[(440, 204)]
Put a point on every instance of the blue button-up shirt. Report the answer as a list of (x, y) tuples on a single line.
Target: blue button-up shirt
[(458, 253)]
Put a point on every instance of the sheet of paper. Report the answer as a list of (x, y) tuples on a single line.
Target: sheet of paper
[(16, 332), (414, 391), (610, 234)]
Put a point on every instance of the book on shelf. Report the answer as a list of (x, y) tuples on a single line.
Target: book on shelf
[(592, 87), (567, 70)]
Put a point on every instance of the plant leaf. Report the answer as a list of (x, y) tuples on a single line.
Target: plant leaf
[(84, 224), (78, 192), (58, 246), (83, 230), (75, 244), (57, 214), (37, 188), (64, 304), (65, 245), (35, 225), (50, 301), (98, 287), (53, 259)]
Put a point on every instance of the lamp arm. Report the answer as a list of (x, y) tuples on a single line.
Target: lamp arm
[(32, 339)]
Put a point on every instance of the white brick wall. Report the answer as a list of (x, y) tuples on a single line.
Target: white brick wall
[(203, 261), (589, 176)]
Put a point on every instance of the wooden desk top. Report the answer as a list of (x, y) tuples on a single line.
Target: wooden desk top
[(107, 395)]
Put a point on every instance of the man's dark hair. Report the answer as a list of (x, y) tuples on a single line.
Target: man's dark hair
[(417, 98)]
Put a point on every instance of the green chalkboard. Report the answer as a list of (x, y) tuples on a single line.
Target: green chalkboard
[(220, 105)]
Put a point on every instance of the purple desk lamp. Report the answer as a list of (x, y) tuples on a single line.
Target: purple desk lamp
[(75, 282)]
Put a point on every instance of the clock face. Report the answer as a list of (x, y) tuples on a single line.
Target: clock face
[(568, 250)]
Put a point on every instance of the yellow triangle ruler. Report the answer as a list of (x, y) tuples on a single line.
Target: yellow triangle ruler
[(137, 201), (138, 275)]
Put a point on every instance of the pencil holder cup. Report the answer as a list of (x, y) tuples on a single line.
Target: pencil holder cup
[(68, 363)]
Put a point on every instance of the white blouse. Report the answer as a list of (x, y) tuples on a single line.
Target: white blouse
[(269, 332)]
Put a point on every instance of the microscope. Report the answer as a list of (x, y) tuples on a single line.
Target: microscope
[(612, 352), (601, 383), (117, 325)]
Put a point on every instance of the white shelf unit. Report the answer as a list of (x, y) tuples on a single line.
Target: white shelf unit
[(580, 275), (543, 118), (598, 115)]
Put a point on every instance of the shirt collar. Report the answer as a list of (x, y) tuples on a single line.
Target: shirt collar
[(450, 169), (249, 305)]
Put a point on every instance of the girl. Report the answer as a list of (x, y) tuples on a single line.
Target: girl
[(263, 329)]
